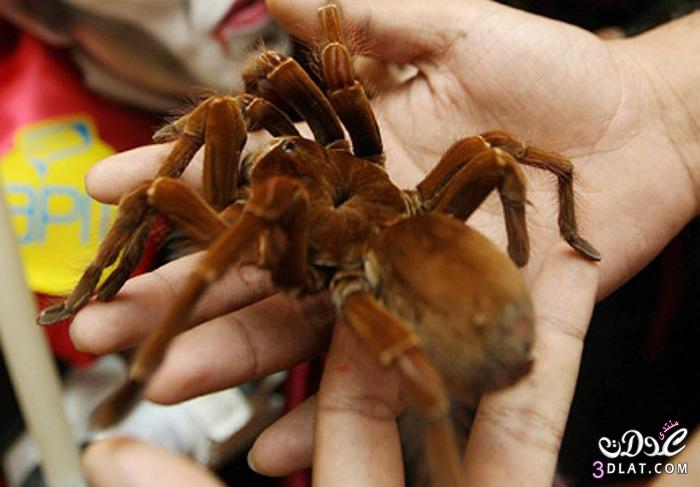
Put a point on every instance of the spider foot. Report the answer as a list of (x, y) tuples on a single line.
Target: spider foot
[(77, 299), (54, 314), (118, 405), (583, 247)]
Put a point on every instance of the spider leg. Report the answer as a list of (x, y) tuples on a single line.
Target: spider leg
[(255, 82), (170, 131), (224, 137), (260, 113), (466, 175), (563, 169), (271, 232), (132, 209), (397, 346), (220, 122), (186, 209), (346, 94), (289, 81), (127, 233)]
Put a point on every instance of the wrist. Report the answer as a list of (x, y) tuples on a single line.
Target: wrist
[(669, 58)]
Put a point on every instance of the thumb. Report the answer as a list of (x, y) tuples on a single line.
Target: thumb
[(401, 31)]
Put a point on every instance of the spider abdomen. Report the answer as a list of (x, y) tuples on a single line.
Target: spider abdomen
[(462, 296)]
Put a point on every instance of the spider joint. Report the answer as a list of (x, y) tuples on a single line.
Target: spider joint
[(346, 283)]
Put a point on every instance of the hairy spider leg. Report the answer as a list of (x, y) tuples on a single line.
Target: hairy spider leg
[(466, 175), (220, 122), (261, 114), (346, 94), (563, 169), (272, 232), (187, 210), (125, 234), (462, 151), (258, 112), (290, 82)]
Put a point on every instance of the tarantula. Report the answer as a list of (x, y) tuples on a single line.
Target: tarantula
[(319, 215)]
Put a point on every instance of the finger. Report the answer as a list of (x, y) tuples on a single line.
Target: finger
[(123, 462), (287, 445), (123, 322), (110, 178), (395, 30), (518, 431), (271, 335), (356, 438)]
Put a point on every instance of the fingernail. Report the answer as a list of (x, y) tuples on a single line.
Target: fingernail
[(251, 461)]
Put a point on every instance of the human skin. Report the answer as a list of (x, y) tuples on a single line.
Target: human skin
[(625, 111)]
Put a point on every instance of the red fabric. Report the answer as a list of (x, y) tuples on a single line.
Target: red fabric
[(303, 381), (38, 83), (296, 390)]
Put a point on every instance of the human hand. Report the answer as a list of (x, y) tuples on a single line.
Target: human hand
[(552, 84), (606, 105)]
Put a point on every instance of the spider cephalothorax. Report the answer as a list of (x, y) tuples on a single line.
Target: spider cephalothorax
[(430, 296)]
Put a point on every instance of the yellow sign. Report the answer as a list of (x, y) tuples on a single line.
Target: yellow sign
[(57, 224)]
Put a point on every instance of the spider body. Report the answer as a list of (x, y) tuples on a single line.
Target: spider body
[(431, 297), (348, 197)]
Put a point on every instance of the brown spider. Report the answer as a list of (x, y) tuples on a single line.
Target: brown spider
[(319, 216)]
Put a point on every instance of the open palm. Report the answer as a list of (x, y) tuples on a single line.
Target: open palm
[(482, 66)]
